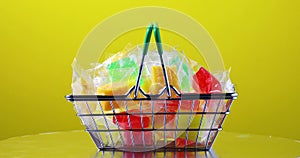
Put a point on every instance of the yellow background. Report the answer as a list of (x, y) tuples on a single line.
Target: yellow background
[(258, 39)]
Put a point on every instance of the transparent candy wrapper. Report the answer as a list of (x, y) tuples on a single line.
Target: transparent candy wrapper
[(151, 122)]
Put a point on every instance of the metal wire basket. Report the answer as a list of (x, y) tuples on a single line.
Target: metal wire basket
[(142, 132)]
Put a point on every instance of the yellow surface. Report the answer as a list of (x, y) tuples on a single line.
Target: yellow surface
[(258, 39), (78, 144)]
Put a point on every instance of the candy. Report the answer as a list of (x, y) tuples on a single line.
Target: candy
[(205, 82), (146, 83), (184, 74), (186, 105), (159, 81), (118, 68), (136, 121), (120, 83), (110, 89), (167, 119), (180, 142)]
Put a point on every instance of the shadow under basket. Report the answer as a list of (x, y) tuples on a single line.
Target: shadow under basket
[(189, 122)]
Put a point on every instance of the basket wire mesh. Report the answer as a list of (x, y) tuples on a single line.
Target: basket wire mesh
[(145, 137)]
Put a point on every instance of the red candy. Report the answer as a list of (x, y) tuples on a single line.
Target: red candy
[(171, 107), (186, 106), (205, 82), (136, 121), (180, 142)]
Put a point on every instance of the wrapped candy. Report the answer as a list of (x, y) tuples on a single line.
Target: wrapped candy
[(136, 121), (133, 138), (158, 80), (116, 69), (180, 142), (205, 82)]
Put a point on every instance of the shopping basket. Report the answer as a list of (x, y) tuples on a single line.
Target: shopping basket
[(147, 138)]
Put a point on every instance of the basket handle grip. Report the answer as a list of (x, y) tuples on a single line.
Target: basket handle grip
[(147, 39)]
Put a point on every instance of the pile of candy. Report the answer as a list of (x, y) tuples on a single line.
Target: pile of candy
[(118, 74)]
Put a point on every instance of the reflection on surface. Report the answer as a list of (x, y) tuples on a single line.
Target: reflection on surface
[(78, 144), (157, 154)]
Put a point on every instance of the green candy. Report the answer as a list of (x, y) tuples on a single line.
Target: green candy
[(185, 83), (121, 70)]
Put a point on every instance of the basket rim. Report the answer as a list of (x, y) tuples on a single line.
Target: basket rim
[(184, 96)]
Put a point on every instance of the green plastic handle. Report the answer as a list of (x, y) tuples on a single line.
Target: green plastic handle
[(158, 39), (147, 39)]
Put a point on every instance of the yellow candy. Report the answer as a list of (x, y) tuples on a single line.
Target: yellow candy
[(118, 88), (146, 84), (112, 89), (158, 80)]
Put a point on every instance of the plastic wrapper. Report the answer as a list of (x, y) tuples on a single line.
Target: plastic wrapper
[(118, 74)]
